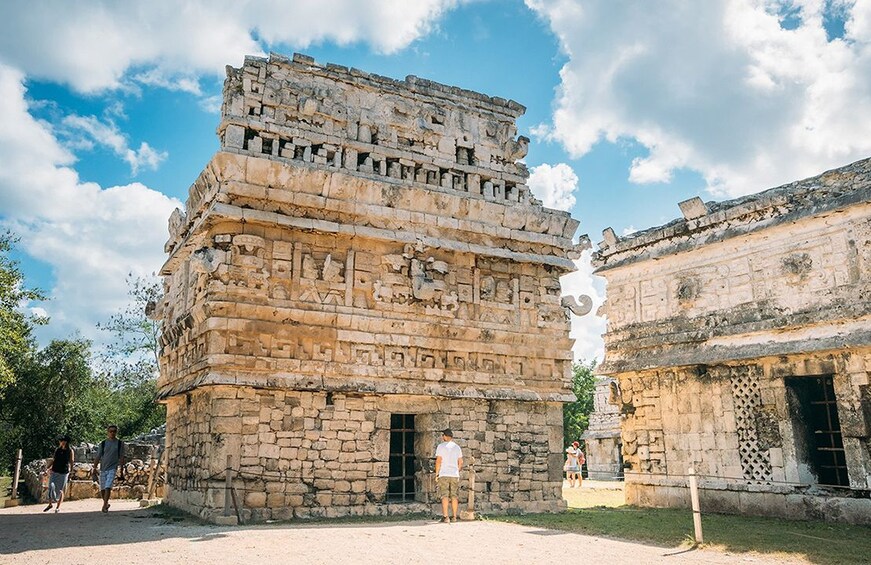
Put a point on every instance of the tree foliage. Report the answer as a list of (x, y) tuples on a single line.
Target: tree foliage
[(51, 396), (128, 364), (16, 328), (576, 415), (65, 388), (131, 357)]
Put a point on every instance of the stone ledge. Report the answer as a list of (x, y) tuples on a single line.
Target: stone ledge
[(369, 386), (742, 216)]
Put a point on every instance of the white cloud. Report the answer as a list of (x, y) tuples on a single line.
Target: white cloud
[(156, 77), (628, 230), (89, 235), (554, 185), (212, 104), (96, 45), (586, 330), (38, 311), (107, 133), (718, 87)]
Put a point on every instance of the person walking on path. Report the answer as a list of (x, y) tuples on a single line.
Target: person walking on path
[(449, 463), (110, 455), (60, 467), (573, 464)]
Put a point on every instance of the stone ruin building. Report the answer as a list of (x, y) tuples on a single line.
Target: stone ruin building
[(359, 266), (603, 449), (740, 336)]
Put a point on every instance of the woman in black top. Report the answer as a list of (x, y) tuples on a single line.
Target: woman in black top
[(61, 464)]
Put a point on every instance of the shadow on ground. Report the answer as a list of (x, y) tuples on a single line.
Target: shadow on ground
[(28, 529)]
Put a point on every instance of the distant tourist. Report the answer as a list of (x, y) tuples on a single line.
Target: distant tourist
[(61, 465), (110, 458), (449, 462), (574, 461)]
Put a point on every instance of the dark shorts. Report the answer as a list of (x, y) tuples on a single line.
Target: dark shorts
[(449, 487)]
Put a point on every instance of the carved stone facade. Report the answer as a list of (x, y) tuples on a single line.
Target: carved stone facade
[(740, 336), (362, 247), (602, 437)]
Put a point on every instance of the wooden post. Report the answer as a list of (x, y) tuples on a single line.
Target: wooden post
[(469, 513), (236, 505), (228, 487), (697, 512), (151, 469), (14, 500), (152, 479)]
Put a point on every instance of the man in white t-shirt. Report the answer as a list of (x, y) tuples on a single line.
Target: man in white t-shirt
[(449, 462)]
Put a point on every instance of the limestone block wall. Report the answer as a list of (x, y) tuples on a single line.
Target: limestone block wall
[(307, 454), (737, 427)]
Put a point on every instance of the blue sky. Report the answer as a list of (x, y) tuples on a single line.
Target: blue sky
[(111, 114)]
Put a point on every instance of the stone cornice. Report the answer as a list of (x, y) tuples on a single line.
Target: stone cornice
[(695, 354), (673, 343), (831, 191), (285, 381)]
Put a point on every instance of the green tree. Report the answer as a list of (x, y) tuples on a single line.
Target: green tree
[(132, 354), (63, 388), (52, 395), (16, 328), (128, 365), (576, 415)]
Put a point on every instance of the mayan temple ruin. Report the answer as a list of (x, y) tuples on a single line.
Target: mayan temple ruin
[(739, 336), (360, 265)]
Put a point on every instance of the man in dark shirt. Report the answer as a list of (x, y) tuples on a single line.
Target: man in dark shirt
[(110, 458), (60, 467)]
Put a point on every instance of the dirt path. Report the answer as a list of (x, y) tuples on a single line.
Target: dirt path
[(80, 534)]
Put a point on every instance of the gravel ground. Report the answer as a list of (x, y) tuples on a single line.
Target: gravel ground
[(81, 534)]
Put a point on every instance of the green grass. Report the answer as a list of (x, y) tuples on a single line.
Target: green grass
[(813, 542), (5, 485)]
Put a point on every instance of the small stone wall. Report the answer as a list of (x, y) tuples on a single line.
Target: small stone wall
[(81, 485)]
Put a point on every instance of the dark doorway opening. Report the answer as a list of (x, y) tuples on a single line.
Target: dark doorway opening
[(814, 402), (400, 480)]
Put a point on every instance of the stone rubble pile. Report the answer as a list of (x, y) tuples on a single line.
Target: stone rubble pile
[(140, 458)]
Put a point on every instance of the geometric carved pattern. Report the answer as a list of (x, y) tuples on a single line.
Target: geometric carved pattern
[(747, 400)]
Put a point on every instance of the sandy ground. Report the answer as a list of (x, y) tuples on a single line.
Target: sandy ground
[(80, 534)]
